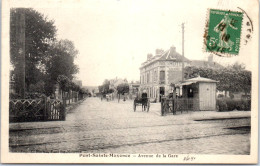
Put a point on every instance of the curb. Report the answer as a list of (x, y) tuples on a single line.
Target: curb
[(74, 105)]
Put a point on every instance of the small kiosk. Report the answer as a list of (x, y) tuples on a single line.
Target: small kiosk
[(202, 90)]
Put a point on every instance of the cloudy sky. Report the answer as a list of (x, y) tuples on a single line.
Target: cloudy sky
[(114, 36)]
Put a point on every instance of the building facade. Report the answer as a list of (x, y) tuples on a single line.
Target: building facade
[(133, 89), (160, 71)]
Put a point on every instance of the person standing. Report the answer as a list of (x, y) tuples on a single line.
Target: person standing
[(174, 103)]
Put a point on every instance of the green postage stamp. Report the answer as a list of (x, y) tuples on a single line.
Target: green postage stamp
[(223, 32)]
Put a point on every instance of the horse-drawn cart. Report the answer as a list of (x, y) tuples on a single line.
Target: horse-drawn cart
[(144, 101)]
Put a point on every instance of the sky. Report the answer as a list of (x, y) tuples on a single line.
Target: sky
[(113, 37)]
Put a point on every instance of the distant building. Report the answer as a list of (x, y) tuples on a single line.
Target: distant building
[(91, 89)]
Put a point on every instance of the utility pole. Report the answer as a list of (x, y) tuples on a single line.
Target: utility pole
[(182, 68), (20, 40)]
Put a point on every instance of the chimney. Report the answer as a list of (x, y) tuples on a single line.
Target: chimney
[(149, 56), (210, 58), (159, 51), (173, 49)]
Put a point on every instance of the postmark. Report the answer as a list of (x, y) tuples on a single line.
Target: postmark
[(223, 32)]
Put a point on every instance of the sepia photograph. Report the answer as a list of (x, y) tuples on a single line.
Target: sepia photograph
[(129, 81)]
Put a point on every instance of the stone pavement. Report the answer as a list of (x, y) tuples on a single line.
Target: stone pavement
[(112, 127)]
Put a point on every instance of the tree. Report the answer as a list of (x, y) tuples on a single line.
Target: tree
[(122, 89), (111, 91), (39, 32), (60, 61), (105, 86), (100, 89), (233, 78), (61, 57), (64, 82)]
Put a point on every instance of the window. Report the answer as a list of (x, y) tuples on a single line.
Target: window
[(151, 76), (155, 76), (162, 77)]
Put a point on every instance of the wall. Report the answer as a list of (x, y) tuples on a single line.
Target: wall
[(207, 95)]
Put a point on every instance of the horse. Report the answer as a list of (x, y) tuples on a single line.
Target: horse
[(144, 104)]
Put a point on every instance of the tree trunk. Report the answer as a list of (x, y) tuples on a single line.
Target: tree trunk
[(27, 87)]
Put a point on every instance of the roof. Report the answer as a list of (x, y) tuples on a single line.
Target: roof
[(195, 80), (200, 79), (173, 55), (169, 55), (186, 83), (201, 63), (134, 84)]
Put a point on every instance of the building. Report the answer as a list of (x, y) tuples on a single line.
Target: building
[(160, 71), (200, 90)]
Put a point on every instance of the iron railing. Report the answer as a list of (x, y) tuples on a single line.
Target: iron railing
[(178, 105)]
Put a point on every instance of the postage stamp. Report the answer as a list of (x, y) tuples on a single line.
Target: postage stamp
[(223, 32)]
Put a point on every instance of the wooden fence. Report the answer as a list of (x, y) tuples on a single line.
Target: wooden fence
[(26, 110), (178, 105), (55, 110), (70, 97)]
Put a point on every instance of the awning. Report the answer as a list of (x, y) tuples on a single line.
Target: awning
[(185, 83)]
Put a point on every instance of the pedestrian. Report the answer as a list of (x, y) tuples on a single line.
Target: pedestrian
[(162, 106), (172, 96), (144, 100), (174, 101)]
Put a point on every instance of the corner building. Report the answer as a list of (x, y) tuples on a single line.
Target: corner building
[(159, 71)]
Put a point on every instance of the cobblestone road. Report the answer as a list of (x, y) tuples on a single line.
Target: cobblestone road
[(104, 127)]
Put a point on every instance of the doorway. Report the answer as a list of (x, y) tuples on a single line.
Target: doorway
[(162, 93)]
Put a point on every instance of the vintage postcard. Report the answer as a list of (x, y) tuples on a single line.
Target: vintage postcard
[(129, 81)]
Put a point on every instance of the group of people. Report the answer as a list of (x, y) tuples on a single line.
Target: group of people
[(108, 97)]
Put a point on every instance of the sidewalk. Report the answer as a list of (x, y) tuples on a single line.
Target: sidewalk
[(155, 109), (203, 115)]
